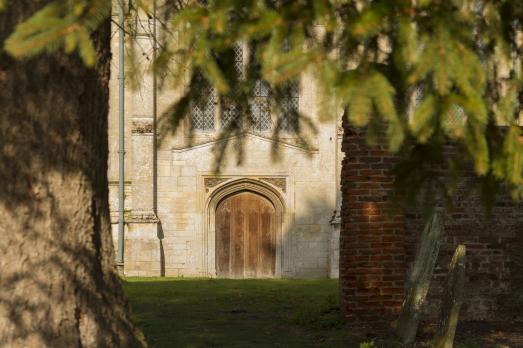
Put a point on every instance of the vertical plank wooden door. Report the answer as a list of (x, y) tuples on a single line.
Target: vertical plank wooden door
[(245, 237)]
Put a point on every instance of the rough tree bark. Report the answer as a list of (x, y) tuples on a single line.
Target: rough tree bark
[(58, 285), (420, 276)]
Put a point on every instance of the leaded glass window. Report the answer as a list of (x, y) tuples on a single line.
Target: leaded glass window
[(238, 60), (231, 110), (289, 108), (260, 107), (289, 117), (456, 115), (418, 95), (202, 109)]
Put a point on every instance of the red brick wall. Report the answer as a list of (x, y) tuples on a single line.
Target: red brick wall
[(377, 244), (372, 238), (494, 251)]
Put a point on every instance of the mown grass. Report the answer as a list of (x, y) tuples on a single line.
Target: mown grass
[(181, 312), (194, 313)]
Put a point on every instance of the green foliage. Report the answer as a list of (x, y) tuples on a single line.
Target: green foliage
[(368, 57), (368, 344), (66, 23)]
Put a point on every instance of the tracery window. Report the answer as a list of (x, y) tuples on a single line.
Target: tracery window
[(456, 115), (260, 107), (289, 121), (204, 113), (202, 109), (231, 110)]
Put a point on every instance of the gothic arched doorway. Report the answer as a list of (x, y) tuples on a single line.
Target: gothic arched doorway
[(245, 236)]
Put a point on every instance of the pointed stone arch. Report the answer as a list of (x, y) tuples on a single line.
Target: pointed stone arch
[(233, 187)]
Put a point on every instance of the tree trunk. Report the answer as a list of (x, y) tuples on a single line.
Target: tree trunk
[(58, 284), (452, 301), (419, 280)]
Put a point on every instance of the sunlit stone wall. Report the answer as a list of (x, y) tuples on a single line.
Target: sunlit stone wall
[(174, 240)]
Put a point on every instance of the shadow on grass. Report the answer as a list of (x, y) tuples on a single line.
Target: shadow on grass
[(181, 312)]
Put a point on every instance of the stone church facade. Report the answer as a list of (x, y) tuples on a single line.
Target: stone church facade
[(176, 223), (286, 218)]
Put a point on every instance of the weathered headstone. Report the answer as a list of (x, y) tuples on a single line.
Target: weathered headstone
[(420, 276), (452, 300)]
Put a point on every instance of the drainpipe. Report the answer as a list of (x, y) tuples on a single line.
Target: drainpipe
[(121, 129), (155, 116), (159, 231)]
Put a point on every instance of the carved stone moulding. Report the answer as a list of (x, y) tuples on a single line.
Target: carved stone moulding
[(142, 125), (142, 216), (209, 183), (280, 183)]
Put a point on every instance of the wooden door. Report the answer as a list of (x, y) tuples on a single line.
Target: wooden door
[(245, 237)]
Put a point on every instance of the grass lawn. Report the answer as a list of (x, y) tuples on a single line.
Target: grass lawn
[(182, 312), (187, 313)]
